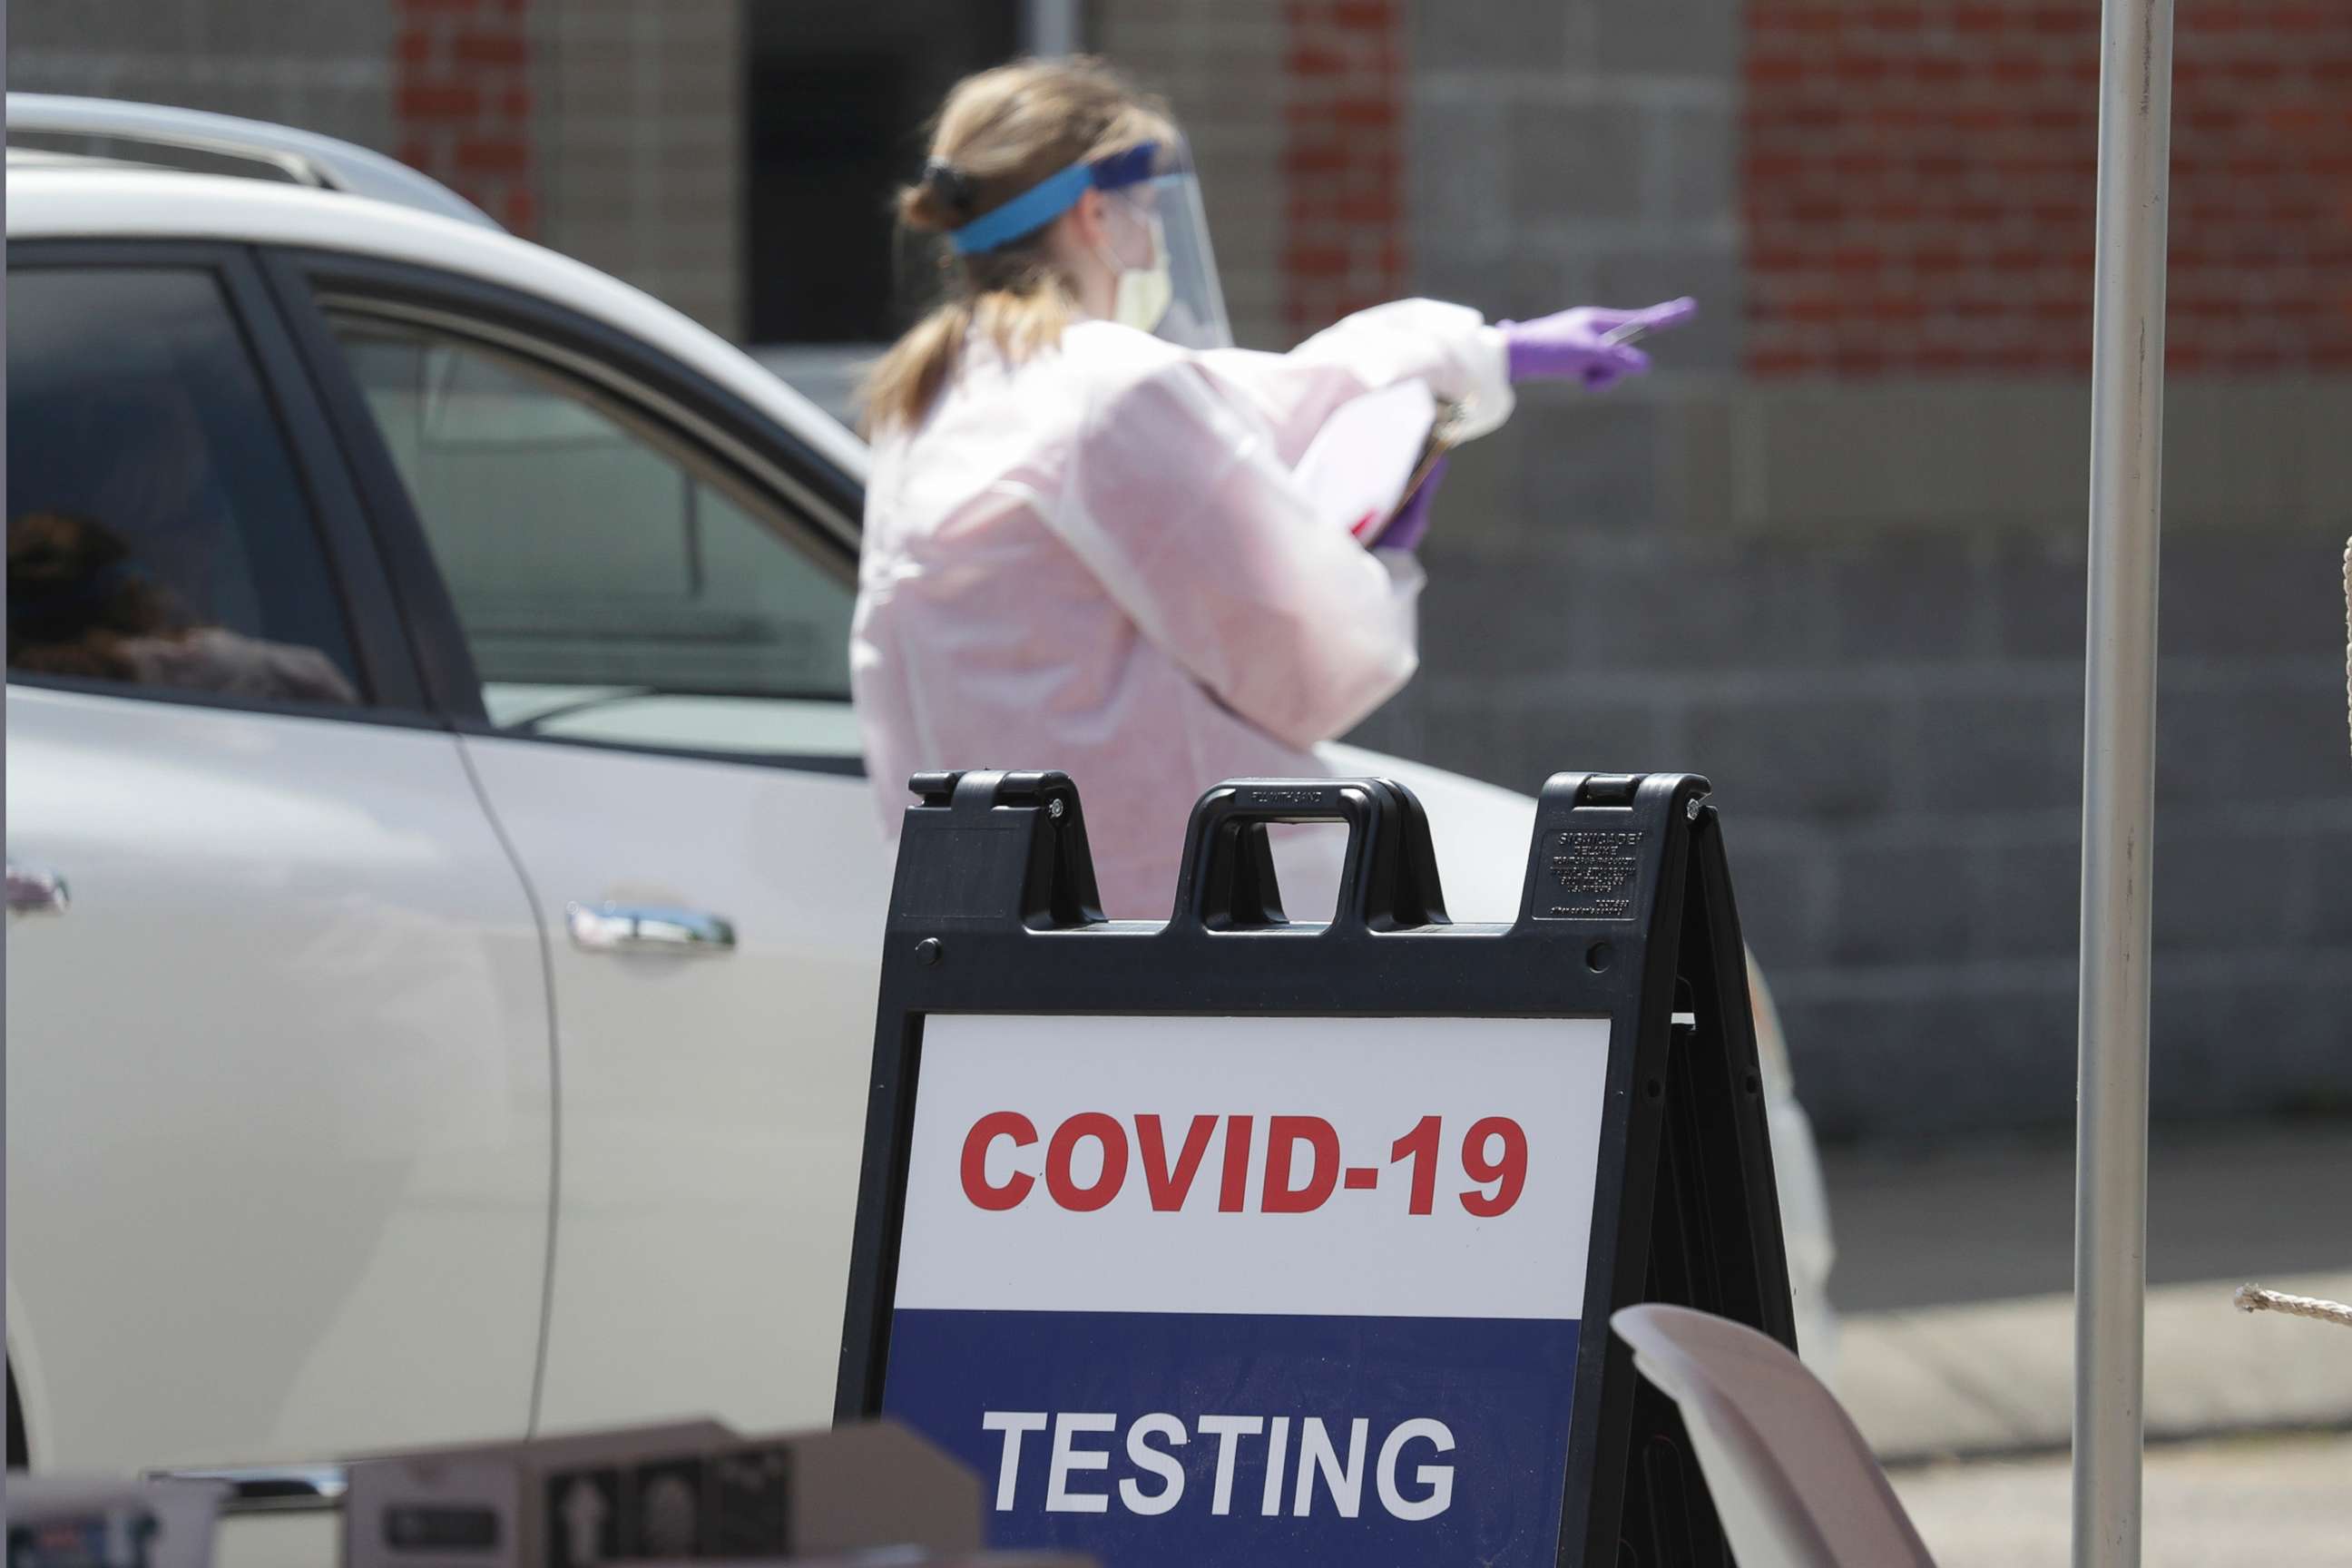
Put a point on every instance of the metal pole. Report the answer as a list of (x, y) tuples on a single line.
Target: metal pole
[(1050, 28), (2119, 779)]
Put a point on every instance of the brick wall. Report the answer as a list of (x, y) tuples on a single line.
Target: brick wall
[(1342, 159), (462, 100), (1919, 178)]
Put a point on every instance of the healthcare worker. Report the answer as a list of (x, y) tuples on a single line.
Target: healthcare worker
[(1085, 546)]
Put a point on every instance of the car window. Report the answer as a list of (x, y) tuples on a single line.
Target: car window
[(157, 534), (612, 583)]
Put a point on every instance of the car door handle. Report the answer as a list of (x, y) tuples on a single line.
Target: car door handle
[(35, 892), (647, 928)]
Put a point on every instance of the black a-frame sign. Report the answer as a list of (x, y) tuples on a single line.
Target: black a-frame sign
[(1235, 1240)]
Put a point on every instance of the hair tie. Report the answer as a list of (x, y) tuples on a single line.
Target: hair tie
[(952, 184)]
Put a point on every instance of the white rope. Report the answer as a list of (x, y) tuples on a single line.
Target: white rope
[(2254, 1298)]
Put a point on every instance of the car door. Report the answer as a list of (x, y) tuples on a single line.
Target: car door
[(648, 592), (279, 1116)]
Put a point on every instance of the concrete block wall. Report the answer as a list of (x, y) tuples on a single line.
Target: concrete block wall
[(1855, 598), (1220, 64), (639, 138), (326, 65)]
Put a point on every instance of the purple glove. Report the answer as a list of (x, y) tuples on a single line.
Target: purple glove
[(1412, 520), (1589, 343)]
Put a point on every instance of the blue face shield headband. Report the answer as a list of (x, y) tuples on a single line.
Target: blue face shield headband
[(1042, 203)]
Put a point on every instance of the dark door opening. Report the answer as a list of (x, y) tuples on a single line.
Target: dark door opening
[(834, 112)]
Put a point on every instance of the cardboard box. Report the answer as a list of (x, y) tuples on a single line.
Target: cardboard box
[(694, 1492)]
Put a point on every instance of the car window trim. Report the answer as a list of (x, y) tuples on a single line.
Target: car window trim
[(665, 431), (685, 406), (444, 660), (797, 761), (672, 393), (387, 673)]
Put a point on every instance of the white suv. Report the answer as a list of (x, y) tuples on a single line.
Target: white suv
[(445, 893)]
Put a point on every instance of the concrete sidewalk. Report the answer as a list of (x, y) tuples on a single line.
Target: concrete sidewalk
[(1996, 1377), (2275, 1499), (1953, 1271)]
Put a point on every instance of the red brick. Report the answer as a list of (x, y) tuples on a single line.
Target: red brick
[(1315, 261), (499, 155), (414, 47), (2061, 21), (1317, 161), (1782, 362), (442, 100), (1945, 357), (1971, 165), (492, 50)]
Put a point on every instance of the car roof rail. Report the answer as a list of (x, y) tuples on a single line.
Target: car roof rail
[(142, 130)]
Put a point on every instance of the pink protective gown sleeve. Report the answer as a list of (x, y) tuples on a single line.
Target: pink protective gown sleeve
[(1179, 502), (1450, 348)]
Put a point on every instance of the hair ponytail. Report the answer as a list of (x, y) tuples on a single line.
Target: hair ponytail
[(999, 133)]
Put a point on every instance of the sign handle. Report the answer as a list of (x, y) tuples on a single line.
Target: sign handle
[(1388, 881)]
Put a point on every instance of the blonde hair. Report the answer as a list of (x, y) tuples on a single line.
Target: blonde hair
[(997, 134)]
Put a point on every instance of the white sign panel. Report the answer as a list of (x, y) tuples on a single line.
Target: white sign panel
[(1291, 1289)]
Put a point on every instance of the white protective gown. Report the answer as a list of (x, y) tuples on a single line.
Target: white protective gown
[(1098, 561)]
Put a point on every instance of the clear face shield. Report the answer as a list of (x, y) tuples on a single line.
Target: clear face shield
[(1164, 208), (1158, 243)]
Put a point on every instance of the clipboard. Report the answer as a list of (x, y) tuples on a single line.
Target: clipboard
[(1372, 454)]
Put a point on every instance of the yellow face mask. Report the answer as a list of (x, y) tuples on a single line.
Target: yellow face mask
[(1143, 293)]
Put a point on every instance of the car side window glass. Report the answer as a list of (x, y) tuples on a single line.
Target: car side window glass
[(158, 535), (612, 583)]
